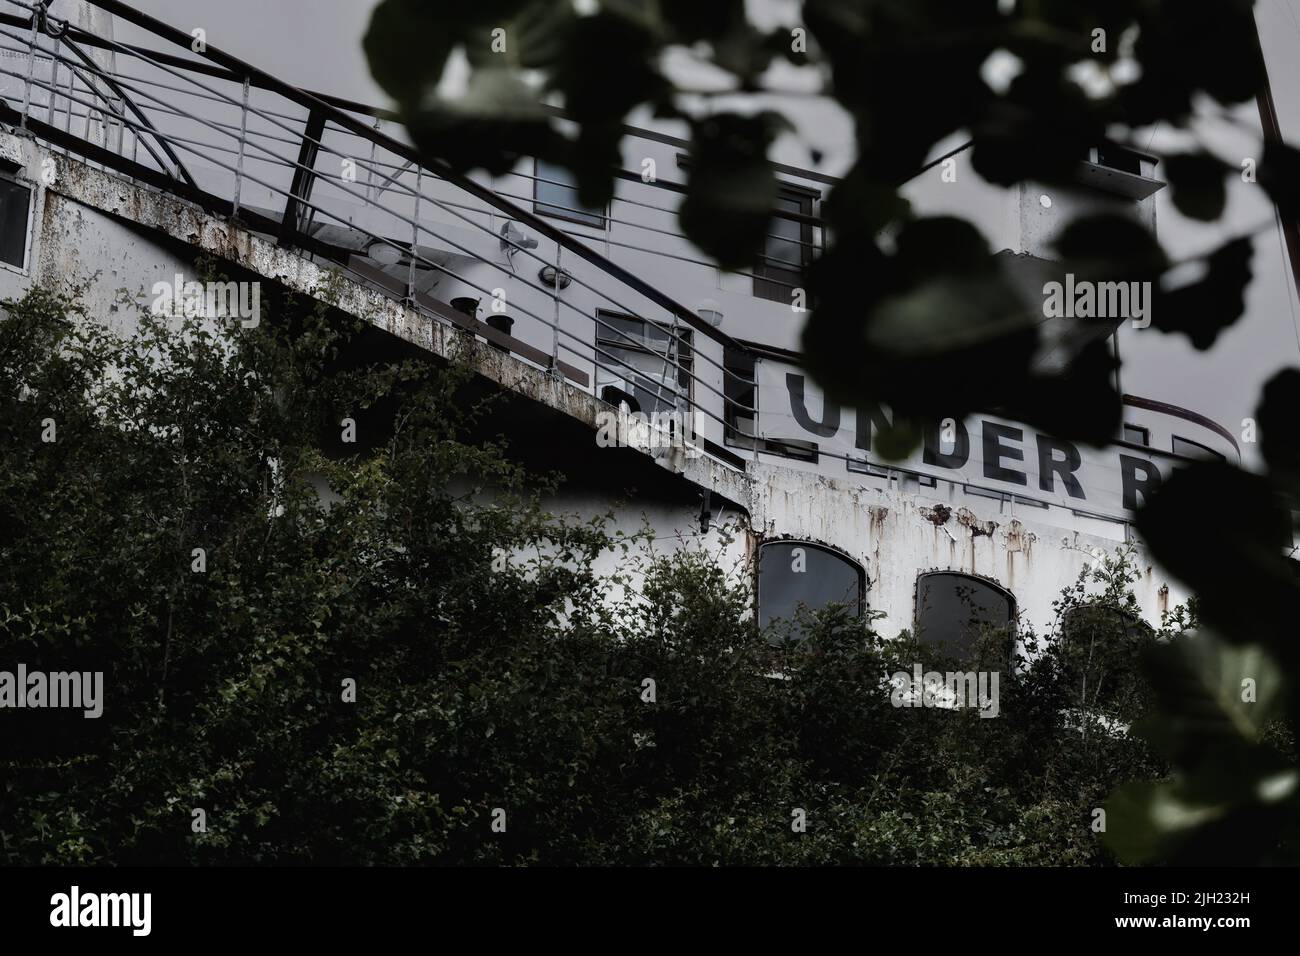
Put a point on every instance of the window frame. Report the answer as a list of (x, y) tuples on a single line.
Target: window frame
[(1117, 157), (732, 436), (1013, 606), (592, 220), (775, 289), (1145, 432), (1131, 621), (1214, 455), (685, 366), (24, 269), (864, 582)]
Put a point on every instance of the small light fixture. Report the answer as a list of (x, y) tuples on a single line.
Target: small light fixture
[(385, 253), (710, 312), (555, 278)]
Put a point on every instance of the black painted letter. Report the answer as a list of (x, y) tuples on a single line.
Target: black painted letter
[(1135, 483), (830, 411), (1049, 465), (995, 451)]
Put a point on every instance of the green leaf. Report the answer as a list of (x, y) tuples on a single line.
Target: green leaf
[(1279, 174), (408, 41), (1111, 247), (690, 20), (498, 120), (1279, 427), (407, 46), (1200, 683), (1227, 788), (1225, 532), (731, 187), (536, 36), (611, 47), (1203, 309), (1185, 821), (1197, 182)]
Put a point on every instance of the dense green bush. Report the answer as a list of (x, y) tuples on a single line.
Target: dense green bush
[(482, 681)]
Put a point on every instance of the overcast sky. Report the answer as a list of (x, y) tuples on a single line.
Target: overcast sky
[(316, 44)]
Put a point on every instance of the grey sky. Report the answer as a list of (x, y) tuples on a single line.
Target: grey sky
[(316, 44)]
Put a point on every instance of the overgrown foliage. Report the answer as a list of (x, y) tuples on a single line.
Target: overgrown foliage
[(913, 311), (482, 681)]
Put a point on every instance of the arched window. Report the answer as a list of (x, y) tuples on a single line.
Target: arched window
[(1084, 621), (796, 574), (952, 609), (1099, 657)]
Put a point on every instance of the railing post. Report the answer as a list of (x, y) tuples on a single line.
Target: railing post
[(415, 234), (54, 80), (677, 421), (756, 429), (555, 331), (37, 14), (72, 91), (304, 177), (239, 163), (370, 170)]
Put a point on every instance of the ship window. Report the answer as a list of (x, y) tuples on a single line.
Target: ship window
[(796, 575), (738, 385), (1191, 449), (788, 250), (952, 609), (15, 206), (1082, 621), (1121, 159), (645, 363), (555, 194), (1137, 435)]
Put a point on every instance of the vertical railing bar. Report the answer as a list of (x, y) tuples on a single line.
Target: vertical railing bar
[(555, 330), (31, 67), (72, 89), (239, 163), (370, 170), (415, 232), (54, 80)]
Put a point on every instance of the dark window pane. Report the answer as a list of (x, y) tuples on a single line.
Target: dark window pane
[(951, 610), (1121, 159), (1137, 435), (555, 193), (15, 201), (1085, 621), (649, 362), (738, 387), (1190, 449), (793, 574), (788, 250), (619, 330), (1098, 642)]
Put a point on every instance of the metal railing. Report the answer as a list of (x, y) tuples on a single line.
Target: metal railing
[(325, 177)]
